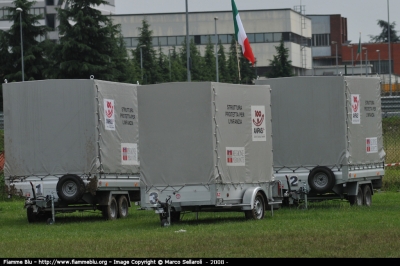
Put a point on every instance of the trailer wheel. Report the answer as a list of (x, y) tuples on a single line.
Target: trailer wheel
[(367, 195), (32, 217), (70, 188), (321, 179), (258, 211), (164, 222), (357, 200), (110, 212), (175, 216), (123, 207)]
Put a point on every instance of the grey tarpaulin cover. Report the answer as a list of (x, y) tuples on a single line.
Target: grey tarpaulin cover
[(52, 127), (326, 121), (204, 133)]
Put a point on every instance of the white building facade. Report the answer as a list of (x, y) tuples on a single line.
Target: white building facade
[(264, 28)]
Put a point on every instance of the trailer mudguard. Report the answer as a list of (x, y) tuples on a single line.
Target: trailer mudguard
[(249, 196), (352, 187)]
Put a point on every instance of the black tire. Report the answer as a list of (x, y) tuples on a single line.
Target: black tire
[(70, 188), (110, 212), (258, 211), (357, 200), (123, 207), (321, 179), (164, 222), (175, 216), (367, 195), (32, 217)]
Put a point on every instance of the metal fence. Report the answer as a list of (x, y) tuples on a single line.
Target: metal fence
[(390, 99)]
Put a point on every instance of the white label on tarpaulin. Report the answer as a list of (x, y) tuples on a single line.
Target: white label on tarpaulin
[(372, 145), (235, 156), (355, 109), (258, 123), (129, 154), (109, 114)]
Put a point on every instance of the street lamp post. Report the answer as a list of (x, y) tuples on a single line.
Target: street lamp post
[(337, 71), (379, 60), (352, 62), (216, 49), (22, 44)]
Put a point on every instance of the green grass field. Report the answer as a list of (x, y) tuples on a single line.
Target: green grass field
[(327, 229)]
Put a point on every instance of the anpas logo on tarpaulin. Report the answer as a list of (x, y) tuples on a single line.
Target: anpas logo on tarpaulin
[(109, 114), (355, 109), (258, 123)]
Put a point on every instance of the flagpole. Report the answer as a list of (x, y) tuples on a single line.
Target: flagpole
[(237, 56)]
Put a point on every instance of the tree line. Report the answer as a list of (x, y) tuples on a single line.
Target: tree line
[(90, 44)]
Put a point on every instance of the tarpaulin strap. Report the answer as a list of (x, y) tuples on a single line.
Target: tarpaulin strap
[(100, 168), (347, 91), (216, 133)]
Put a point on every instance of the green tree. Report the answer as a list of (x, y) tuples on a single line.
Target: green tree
[(124, 69), (6, 57), (33, 50), (233, 63), (196, 61), (223, 71), (247, 71), (209, 72), (383, 36), (178, 71), (148, 57), (162, 66), (87, 44), (281, 66)]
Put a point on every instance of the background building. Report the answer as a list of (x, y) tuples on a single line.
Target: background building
[(48, 9), (264, 28)]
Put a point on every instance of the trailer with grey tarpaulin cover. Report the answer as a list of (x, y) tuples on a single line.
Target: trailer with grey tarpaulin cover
[(206, 147), (327, 137), (72, 145)]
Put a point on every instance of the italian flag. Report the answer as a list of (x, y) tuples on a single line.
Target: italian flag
[(241, 36)]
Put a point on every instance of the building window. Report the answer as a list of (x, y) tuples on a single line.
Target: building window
[(269, 37), (180, 40), (128, 42), (230, 37), (250, 36), (197, 39), (155, 41), (135, 42), (51, 21), (277, 36), (259, 37), (223, 38), (320, 40), (172, 41)]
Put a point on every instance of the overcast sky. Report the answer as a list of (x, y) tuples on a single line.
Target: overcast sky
[(362, 15)]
